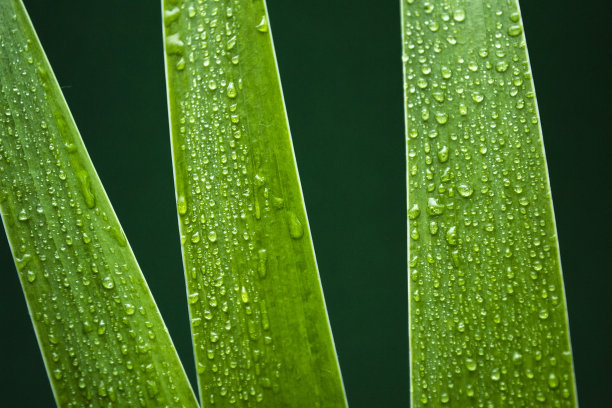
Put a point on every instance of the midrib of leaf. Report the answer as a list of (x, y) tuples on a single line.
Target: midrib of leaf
[(259, 324), (100, 332), (488, 319)]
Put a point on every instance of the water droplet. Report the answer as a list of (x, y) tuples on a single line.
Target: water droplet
[(23, 215), (501, 66), (101, 327), (470, 364), (296, 229), (459, 15), (174, 45), (263, 25), (495, 374), (515, 30), (443, 154), (231, 90), (108, 282), (31, 276), (433, 207), (193, 298), (477, 97), (85, 182), (195, 237), (244, 295), (441, 117), (414, 211), (212, 236), (129, 309), (465, 190), (553, 380), (517, 357), (446, 72), (438, 96), (451, 235)]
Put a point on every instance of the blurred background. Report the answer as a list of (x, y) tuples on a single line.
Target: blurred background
[(342, 77)]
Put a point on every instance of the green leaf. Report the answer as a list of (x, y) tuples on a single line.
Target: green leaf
[(101, 335), (488, 320), (259, 322)]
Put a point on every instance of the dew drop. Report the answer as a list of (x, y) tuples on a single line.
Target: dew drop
[(443, 154), (459, 15), (441, 117), (23, 215), (244, 295), (195, 237), (231, 90), (434, 207), (515, 30), (446, 72), (129, 309), (31, 276), (470, 364), (465, 190), (193, 298), (212, 236), (262, 27), (108, 283), (296, 229), (174, 45), (414, 211), (451, 235), (501, 66), (553, 380)]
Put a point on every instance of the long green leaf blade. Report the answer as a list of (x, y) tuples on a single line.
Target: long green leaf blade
[(101, 335), (488, 319), (259, 323)]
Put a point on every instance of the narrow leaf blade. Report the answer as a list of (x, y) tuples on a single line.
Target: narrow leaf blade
[(101, 335), (488, 318), (259, 323)]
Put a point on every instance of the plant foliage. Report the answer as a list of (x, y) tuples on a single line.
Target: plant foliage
[(258, 318), (99, 330), (488, 320)]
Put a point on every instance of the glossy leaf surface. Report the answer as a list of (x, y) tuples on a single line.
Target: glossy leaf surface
[(488, 319), (259, 323), (101, 335)]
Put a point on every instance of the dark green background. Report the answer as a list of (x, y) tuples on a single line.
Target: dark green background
[(341, 71)]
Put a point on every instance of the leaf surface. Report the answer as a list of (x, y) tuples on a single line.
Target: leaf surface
[(260, 329), (101, 335), (488, 318)]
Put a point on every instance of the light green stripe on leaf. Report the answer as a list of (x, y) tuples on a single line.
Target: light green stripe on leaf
[(101, 335), (488, 319), (259, 323)]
